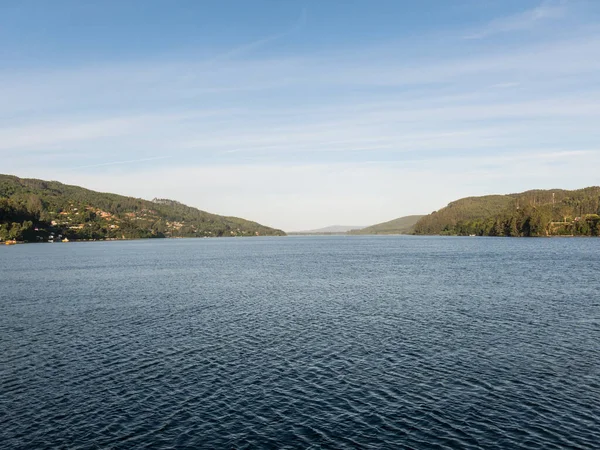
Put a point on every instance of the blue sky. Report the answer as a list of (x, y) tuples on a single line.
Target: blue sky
[(302, 114)]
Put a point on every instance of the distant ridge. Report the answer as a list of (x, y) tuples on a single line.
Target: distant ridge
[(333, 229), (34, 210), (532, 213), (402, 225)]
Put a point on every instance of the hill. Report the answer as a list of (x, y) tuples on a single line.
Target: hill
[(35, 210), (402, 225), (333, 229), (532, 213)]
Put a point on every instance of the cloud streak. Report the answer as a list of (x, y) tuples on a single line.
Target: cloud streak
[(527, 20), (116, 163), (256, 44)]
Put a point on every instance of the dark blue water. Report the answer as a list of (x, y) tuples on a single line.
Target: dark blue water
[(326, 342)]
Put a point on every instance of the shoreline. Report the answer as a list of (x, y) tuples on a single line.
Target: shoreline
[(75, 241)]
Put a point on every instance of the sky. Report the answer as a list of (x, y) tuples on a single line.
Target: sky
[(302, 114)]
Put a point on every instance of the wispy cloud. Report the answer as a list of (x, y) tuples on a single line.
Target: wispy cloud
[(52, 133), (256, 44), (527, 20), (116, 163)]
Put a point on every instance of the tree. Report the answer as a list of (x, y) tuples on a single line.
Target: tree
[(14, 231), (3, 232), (512, 228), (34, 205)]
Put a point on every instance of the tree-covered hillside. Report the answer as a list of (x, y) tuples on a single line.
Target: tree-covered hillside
[(34, 210), (402, 225), (532, 213)]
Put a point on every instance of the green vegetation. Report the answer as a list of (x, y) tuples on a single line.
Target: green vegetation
[(402, 225), (532, 213), (35, 210)]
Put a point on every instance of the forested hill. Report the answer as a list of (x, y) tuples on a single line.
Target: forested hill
[(34, 210), (402, 225), (532, 213)]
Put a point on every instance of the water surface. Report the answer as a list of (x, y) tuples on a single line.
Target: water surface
[(301, 342)]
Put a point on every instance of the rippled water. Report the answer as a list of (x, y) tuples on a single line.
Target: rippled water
[(325, 342)]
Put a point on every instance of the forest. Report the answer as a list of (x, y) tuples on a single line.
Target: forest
[(35, 210), (533, 213)]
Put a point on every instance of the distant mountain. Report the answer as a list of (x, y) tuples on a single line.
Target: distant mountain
[(37, 210), (532, 213), (333, 229), (402, 225)]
